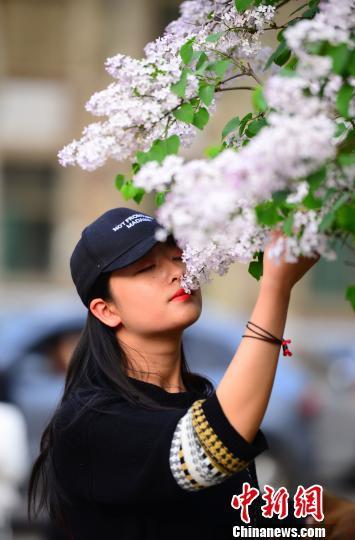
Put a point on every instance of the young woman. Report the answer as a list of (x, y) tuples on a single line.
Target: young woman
[(139, 447)]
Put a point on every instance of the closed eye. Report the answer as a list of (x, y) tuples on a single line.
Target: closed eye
[(152, 266), (144, 269)]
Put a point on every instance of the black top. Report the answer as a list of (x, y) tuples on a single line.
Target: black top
[(135, 474)]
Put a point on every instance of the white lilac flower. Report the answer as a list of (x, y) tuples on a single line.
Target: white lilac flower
[(158, 177), (297, 141), (333, 23), (205, 195), (140, 100), (210, 204), (286, 94), (310, 243), (301, 192)]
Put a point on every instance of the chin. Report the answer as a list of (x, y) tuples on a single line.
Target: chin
[(193, 317)]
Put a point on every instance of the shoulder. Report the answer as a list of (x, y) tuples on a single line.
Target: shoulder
[(82, 412)]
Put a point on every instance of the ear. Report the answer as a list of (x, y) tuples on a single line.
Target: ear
[(106, 312)]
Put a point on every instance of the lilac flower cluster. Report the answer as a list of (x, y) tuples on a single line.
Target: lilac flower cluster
[(139, 103), (210, 203), (299, 138)]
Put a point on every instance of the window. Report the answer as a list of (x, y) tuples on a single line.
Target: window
[(26, 227)]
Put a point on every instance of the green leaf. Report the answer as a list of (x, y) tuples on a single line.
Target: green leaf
[(288, 224), (185, 113), (316, 47), (186, 51), (280, 35), (345, 217), (256, 267), (201, 118), (258, 99), (173, 144), (340, 56), (317, 178), (343, 99), (286, 72), (128, 190), (326, 221), (196, 55), (255, 126), (341, 127), (212, 38), (348, 144), (119, 181), (280, 56), (213, 151), (206, 93), (267, 213), (312, 202), (158, 151), (309, 13), (329, 217), (220, 67), (281, 59), (291, 64), (201, 62), (160, 198), (139, 195), (242, 5), (179, 87), (350, 295), (230, 126), (244, 122), (280, 196), (346, 159), (351, 63), (142, 157), (135, 167)]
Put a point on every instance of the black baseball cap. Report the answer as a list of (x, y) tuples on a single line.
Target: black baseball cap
[(114, 240)]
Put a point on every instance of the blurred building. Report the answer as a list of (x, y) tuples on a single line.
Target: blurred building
[(52, 56)]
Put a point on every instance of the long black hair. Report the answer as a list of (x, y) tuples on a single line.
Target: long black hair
[(97, 374)]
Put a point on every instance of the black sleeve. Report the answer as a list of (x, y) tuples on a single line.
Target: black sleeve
[(137, 454)]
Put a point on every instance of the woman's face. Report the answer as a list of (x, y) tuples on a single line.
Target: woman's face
[(142, 293)]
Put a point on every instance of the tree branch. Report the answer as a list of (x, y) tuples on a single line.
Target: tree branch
[(235, 88), (283, 3)]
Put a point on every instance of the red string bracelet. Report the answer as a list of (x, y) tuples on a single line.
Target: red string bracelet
[(272, 339)]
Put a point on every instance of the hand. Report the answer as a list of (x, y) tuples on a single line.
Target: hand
[(281, 274)]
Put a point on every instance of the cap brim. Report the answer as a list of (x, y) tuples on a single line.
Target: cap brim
[(135, 253)]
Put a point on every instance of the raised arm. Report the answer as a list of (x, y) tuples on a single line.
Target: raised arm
[(245, 388)]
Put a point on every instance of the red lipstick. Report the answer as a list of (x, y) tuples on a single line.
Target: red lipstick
[(180, 295)]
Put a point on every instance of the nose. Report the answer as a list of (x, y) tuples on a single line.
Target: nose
[(176, 268)]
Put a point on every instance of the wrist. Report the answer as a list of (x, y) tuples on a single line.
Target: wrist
[(273, 286)]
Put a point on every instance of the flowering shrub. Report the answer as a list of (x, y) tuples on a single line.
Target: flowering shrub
[(289, 164)]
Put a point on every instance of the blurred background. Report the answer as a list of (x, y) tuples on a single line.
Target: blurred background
[(52, 56)]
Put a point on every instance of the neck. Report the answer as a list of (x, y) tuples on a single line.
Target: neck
[(157, 361)]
